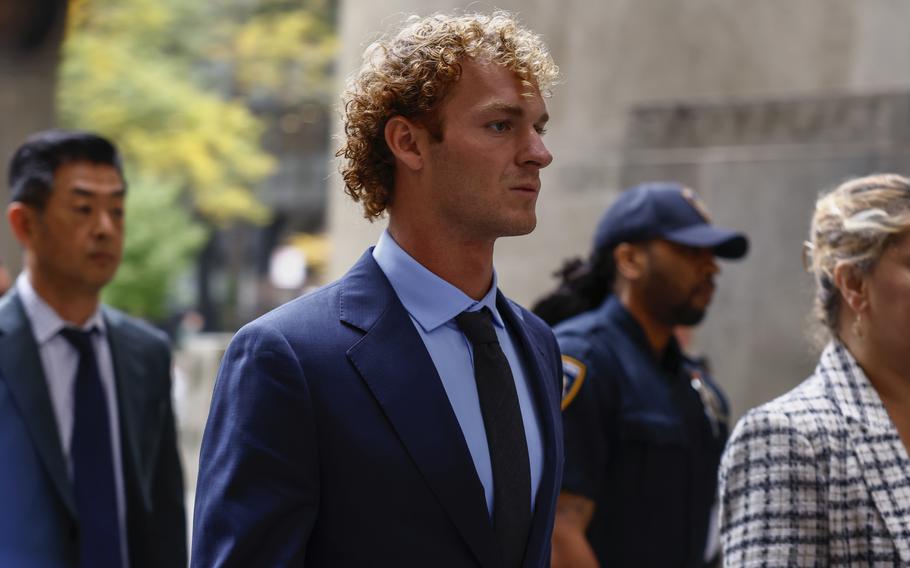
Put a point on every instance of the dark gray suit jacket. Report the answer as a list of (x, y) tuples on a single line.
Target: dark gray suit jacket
[(38, 524)]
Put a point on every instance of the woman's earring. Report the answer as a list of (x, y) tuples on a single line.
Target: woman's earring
[(858, 327)]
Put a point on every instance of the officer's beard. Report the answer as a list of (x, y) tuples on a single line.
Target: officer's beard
[(688, 315), (670, 305)]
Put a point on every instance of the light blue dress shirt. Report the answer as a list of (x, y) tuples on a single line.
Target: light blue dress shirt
[(60, 362), (432, 304)]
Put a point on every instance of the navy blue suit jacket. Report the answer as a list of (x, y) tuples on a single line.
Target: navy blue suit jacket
[(331, 441), (38, 524)]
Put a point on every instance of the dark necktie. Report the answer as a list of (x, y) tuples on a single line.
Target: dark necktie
[(505, 436), (93, 462)]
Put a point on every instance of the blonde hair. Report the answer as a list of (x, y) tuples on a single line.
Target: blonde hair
[(852, 226), (410, 74)]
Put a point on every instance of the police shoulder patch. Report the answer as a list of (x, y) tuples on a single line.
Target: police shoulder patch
[(573, 375)]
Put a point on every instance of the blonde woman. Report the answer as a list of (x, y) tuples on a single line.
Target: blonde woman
[(821, 476)]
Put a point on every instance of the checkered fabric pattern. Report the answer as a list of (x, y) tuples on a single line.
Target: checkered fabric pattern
[(817, 477)]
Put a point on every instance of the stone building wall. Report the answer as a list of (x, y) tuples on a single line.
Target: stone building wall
[(760, 164), (30, 36), (773, 101)]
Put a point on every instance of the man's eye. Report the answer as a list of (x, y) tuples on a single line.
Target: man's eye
[(83, 209), (117, 213), (541, 130), (498, 126)]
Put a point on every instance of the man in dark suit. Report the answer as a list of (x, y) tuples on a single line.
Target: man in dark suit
[(91, 476), (406, 415)]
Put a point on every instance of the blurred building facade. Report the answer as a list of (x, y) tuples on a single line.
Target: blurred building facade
[(30, 36), (231, 277), (759, 106)]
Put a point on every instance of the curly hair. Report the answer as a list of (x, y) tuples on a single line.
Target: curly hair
[(851, 226), (584, 285), (410, 74)]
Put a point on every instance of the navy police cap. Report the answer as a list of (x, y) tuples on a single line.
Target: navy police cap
[(669, 211)]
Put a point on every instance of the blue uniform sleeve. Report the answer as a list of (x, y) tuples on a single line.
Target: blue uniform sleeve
[(258, 491), (587, 414)]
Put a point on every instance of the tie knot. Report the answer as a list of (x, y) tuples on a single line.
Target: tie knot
[(477, 326), (78, 338)]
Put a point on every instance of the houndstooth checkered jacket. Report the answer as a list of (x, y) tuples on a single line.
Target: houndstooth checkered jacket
[(818, 477)]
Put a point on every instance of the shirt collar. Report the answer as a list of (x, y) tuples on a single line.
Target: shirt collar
[(427, 298), (46, 322)]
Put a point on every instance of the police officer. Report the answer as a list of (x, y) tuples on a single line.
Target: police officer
[(645, 425)]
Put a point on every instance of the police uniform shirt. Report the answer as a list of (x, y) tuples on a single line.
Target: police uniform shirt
[(644, 436)]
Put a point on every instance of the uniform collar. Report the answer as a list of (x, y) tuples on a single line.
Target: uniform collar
[(429, 299), (46, 322), (612, 309)]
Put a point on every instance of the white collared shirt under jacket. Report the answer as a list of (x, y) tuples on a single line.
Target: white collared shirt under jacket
[(60, 362)]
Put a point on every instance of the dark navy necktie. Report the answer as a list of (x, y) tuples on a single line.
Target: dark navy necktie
[(93, 461), (505, 436)]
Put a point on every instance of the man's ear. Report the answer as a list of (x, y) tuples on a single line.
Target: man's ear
[(402, 136), (21, 218), (631, 261), (852, 287)]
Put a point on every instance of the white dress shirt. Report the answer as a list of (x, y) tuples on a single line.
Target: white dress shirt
[(60, 362)]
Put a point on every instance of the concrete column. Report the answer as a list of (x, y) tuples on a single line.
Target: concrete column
[(30, 36)]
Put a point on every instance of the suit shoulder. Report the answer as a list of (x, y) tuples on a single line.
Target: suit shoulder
[(309, 305), (305, 314), (8, 299), (529, 318), (806, 413), (136, 328), (536, 327)]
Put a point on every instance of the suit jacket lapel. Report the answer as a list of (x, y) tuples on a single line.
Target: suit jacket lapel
[(877, 445), (540, 376), (131, 400), (393, 361), (24, 374)]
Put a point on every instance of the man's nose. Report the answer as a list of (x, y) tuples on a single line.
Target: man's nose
[(105, 224), (713, 267), (536, 152)]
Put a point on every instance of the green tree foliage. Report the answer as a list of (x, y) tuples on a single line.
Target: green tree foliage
[(270, 61), (175, 84), (160, 232), (128, 73)]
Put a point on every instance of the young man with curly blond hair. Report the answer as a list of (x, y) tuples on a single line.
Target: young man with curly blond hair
[(406, 415)]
